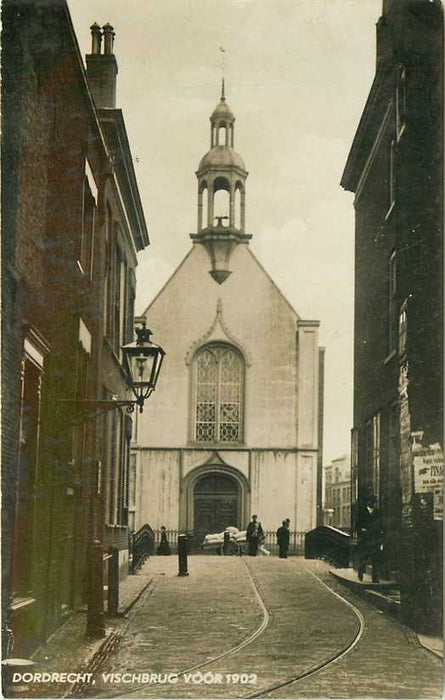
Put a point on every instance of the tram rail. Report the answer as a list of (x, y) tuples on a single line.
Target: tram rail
[(258, 632), (325, 663)]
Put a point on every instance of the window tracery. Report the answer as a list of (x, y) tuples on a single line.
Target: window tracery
[(219, 395)]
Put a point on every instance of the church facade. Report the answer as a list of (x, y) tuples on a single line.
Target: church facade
[(234, 425)]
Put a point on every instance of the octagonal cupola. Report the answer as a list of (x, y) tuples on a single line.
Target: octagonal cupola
[(221, 193)]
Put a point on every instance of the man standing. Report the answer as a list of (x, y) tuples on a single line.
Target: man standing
[(370, 537), (254, 534), (283, 536)]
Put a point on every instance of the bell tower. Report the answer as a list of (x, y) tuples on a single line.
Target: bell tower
[(221, 193)]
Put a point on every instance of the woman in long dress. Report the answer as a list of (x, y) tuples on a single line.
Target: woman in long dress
[(164, 547)]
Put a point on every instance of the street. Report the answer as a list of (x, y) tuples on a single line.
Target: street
[(250, 627)]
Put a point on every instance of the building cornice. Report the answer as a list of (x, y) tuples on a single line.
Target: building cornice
[(218, 448), (113, 122), (373, 152), (367, 129)]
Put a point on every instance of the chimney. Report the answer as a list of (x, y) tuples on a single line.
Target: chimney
[(102, 67)]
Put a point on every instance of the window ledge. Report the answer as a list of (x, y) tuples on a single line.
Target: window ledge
[(65, 611), (388, 359), (401, 132), (14, 273), (390, 210), (116, 526), (18, 603), (216, 445)]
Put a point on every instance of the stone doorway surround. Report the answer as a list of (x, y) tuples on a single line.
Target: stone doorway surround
[(213, 466)]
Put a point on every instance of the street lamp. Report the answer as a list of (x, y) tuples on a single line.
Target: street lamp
[(142, 364)]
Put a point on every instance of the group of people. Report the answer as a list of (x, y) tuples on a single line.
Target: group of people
[(369, 536), (255, 536)]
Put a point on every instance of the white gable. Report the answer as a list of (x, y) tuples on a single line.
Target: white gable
[(248, 311)]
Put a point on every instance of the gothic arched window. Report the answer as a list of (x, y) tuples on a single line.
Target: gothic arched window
[(219, 394)]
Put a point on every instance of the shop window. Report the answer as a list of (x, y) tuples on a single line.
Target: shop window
[(107, 280), (89, 205), (403, 328), (129, 307), (401, 92), (391, 179), (26, 484), (116, 293), (372, 446), (117, 277), (392, 303)]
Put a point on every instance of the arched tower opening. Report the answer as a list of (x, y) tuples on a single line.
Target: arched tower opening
[(222, 135), (221, 202), (203, 204), (239, 206)]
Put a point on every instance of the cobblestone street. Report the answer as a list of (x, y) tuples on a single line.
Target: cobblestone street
[(238, 627)]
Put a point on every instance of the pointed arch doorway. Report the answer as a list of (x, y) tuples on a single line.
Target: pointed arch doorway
[(216, 503), (214, 496)]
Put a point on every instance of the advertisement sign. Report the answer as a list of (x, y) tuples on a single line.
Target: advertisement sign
[(428, 474)]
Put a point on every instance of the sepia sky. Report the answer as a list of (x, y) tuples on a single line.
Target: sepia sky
[(297, 76)]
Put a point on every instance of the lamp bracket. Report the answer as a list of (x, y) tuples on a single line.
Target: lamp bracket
[(88, 409)]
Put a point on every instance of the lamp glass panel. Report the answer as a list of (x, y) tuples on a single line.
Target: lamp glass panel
[(157, 367), (141, 367)]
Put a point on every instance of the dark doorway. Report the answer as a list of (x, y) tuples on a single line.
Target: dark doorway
[(216, 505)]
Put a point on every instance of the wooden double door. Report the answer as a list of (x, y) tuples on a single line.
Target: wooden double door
[(216, 504)]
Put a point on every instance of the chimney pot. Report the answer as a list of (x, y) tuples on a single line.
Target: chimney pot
[(96, 38), (109, 35), (102, 67)]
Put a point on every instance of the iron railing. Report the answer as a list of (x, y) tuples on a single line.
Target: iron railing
[(172, 539), (141, 547), (326, 542), (296, 542)]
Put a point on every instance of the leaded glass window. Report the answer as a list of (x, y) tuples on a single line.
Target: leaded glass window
[(219, 395)]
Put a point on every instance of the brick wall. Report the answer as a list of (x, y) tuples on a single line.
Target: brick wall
[(49, 126)]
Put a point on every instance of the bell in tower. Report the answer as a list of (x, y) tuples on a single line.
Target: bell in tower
[(221, 193)]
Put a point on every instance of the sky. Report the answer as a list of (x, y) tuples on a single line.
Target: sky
[(297, 76)]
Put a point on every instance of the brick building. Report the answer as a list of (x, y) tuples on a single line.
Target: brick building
[(337, 493), (395, 169), (72, 225)]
